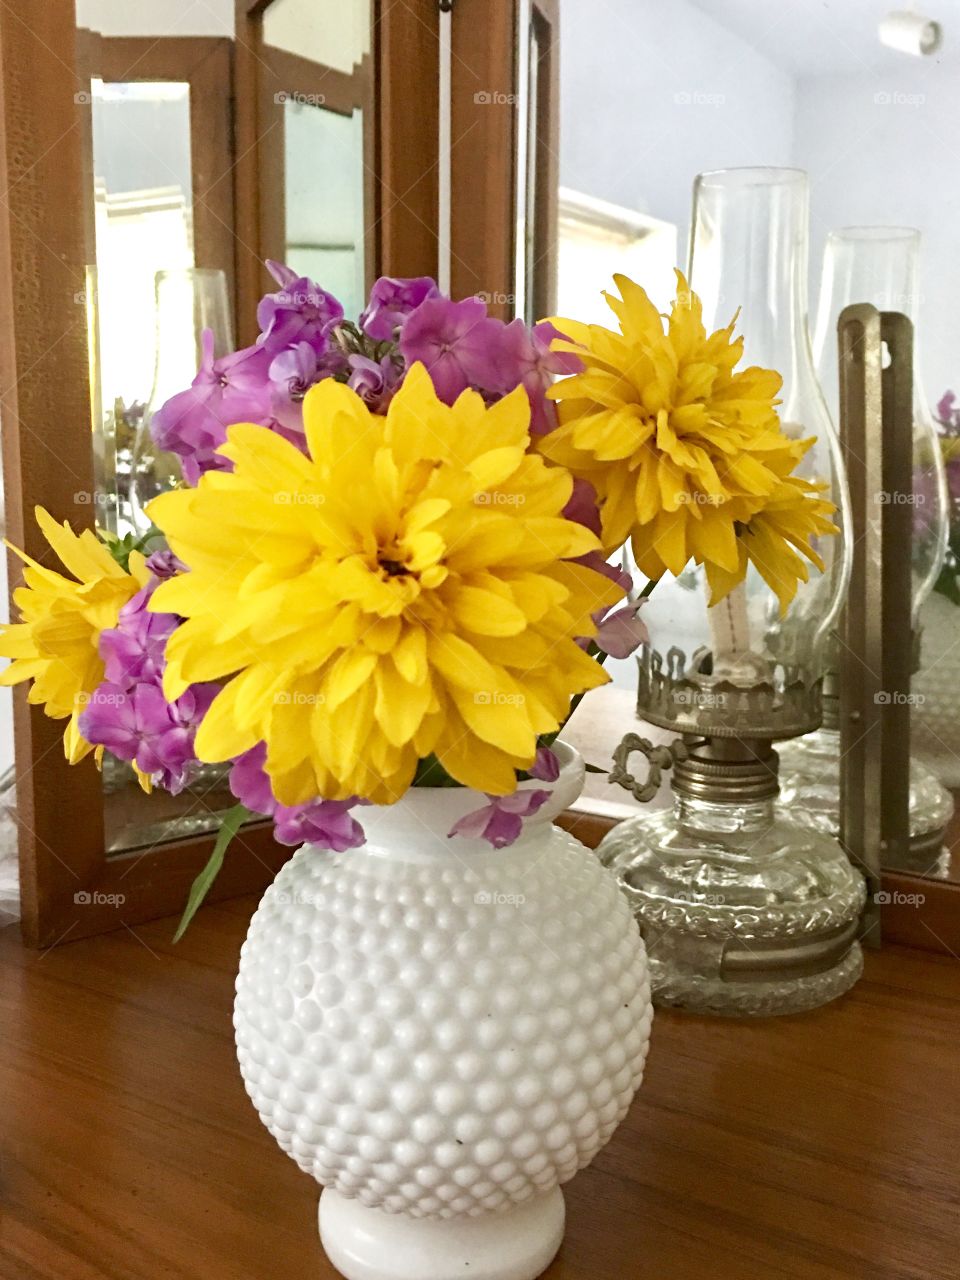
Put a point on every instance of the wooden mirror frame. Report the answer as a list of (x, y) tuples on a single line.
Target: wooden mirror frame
[(69, 887), (484, 121), (400, 141)]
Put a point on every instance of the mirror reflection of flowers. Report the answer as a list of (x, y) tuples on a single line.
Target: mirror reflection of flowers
[(388, 565), (948, 420), (686, 451)]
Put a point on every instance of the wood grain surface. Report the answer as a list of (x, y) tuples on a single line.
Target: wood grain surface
[(821, 1147)]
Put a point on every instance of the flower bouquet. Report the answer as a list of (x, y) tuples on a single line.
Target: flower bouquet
[(380, 589)]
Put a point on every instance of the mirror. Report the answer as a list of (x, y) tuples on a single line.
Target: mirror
[(652, 95), (159, 273), (324, 199), (317, 96)]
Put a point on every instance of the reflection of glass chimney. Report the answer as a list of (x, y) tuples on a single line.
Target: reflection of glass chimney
[(879, 265), (187, 302)]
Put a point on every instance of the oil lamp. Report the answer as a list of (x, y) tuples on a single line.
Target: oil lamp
[(744, 909)]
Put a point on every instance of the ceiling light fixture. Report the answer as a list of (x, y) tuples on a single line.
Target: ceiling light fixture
[(911, 33)]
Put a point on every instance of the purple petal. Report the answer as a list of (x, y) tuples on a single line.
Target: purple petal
[(326, 823), (582, 506), (621, 633), (503, 828), (249, 781), (472, 824), (392, 300), (459, 345), (546, 766), (283, 274), (523, 804)]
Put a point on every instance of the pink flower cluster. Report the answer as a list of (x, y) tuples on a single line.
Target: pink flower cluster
[(128, 713), (304, 338)]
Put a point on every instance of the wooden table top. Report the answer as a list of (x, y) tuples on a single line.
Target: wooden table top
[(822, 1147)]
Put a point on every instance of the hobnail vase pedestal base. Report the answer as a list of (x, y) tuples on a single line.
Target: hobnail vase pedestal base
[(368, 1244)]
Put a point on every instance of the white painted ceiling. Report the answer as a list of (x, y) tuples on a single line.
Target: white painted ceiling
[(828, 37)]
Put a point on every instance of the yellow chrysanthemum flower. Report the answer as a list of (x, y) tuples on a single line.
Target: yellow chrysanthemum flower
[(791, 520), (55, 644), (405, 589), (682, 449)]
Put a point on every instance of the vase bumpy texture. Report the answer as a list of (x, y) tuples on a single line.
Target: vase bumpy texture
[(442, 1032), (935, 715)]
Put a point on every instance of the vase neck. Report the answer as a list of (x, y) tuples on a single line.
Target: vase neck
[(417, 827)]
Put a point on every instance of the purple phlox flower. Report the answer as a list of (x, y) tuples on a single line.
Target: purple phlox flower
[(951, 467), (249, 781), (166, 751), (138, 724), (529, 362), (546, 766), (326, 823), (292, 373), (458, 343), (619, 631), (193, 424), (283, 274), (375, 381), (134, 649), (582, 506), (128, 713), (501, 821), (300, 311), (164, 564), (947, 413), (392, 299)]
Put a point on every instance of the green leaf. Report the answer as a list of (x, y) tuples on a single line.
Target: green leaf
[(947, 583), (431, 773), (120, 548), (233, 820)]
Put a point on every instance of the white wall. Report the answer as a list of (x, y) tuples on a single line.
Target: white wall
[(882, 149), (156, 17), (652, 93)]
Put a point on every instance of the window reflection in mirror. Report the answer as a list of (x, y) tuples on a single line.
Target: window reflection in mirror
[(332, 33), (143, 222), (316, 69), (324, 199)]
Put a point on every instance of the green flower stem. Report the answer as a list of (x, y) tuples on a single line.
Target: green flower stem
[(233, 820)]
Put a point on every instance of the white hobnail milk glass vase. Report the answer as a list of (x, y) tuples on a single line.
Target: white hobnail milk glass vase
[(442, 1033)]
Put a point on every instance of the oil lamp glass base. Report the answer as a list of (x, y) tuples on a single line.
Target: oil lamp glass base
[(810, 794), (744, 911)]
